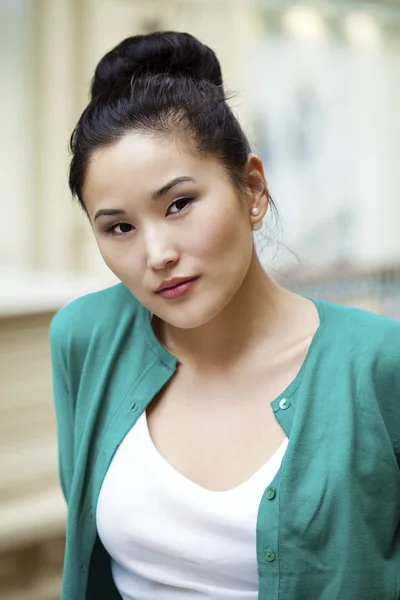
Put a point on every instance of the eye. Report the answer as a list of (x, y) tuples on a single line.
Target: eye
[(181, 205), (124, 228)]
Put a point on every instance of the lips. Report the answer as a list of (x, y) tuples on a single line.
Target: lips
[(173, 283)]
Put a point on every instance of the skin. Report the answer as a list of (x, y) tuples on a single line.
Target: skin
[(239, 337)]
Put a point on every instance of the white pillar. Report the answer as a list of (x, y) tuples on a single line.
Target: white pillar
[(56, 120)]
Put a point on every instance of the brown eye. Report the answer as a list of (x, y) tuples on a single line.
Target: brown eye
[(121, 229), (181, 205)]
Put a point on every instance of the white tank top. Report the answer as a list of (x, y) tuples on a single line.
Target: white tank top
[(171, 539)]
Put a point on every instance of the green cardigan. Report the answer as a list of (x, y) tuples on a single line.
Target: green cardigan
[(329, 523)]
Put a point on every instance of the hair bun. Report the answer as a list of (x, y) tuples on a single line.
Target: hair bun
[(162, 52)]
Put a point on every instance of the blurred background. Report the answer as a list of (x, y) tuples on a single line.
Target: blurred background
[(318, 91)]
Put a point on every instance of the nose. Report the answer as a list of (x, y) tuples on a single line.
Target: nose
[(161, 252)]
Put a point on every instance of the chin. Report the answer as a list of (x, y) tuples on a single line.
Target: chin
[(190, 317), (186, 321)]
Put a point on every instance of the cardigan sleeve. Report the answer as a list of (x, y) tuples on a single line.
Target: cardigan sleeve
[(387, 382), (63, 406)]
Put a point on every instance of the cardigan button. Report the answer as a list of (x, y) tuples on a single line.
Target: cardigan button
[(269, 555), (270, 493), (284, 404)]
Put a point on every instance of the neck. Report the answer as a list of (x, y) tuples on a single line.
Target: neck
[(255, 316)]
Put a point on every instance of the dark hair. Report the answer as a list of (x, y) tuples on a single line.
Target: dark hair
[(162, 83)]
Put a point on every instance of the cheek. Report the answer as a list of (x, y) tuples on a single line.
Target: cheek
[(229, 239), (121, 260)]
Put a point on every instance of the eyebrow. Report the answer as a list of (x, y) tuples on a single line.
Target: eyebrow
[(108, 212), (162, 191)]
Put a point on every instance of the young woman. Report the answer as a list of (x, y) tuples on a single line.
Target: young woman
[(220, 437)]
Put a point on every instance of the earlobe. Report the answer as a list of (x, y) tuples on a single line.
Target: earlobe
[(259, 206), (258, 224)]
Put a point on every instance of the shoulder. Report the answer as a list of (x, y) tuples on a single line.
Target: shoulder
[(361, 327), (366, 343), (98, 315), (364, 349)]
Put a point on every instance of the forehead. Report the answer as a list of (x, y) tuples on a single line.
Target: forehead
[(141, 163)]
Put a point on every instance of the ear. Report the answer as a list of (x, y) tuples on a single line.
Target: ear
[(257, 186)]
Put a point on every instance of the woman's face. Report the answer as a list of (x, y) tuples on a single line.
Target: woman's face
[(195, 227)]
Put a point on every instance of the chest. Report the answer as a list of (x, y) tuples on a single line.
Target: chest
[(217, 433)]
